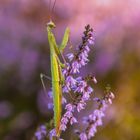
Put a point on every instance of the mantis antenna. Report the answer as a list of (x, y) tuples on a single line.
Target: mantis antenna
[(51, 10)]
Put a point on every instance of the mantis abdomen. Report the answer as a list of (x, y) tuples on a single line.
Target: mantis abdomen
[(57, 91)]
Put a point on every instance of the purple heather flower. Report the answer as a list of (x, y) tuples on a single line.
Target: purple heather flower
[(70, 81), (104, 105), (78, 79), (68, 114), (66, 89), (50, 105), (111, 95), (63, 126), (83, 136), (52, 134), (94, 80), (83, 55), (89, 89), (86, 96), (38, 135), (70, 56), (66, 69), (81, 86), (64, 120), (83, 58), (82, 62), (87, 49), (110, 101), (98, 113), (91, 41), (69, 107), (92, 131), (50, 94), (86, 93), (85, 120), (64, 101), (73, 120), (80, 106), (91, 117), (97, 99), (41, 133), (98, 122), (75, 67)]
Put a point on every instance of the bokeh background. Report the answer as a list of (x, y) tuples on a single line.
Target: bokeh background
[(24, 54)]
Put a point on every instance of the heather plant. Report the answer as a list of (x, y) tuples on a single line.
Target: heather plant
[(67, 80)]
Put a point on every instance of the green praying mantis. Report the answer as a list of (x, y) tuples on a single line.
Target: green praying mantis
[(56, 72)]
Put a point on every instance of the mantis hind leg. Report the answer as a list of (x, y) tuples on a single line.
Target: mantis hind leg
[(43, 75), (42, 81)]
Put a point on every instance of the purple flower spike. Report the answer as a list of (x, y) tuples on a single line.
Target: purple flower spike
[(95, 119)]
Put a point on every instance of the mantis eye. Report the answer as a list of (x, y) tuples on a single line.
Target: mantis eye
[(51, 24)]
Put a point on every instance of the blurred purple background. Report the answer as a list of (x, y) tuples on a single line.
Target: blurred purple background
[(24, 54)]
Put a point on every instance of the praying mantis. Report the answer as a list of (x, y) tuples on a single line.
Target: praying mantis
[(56, 72)]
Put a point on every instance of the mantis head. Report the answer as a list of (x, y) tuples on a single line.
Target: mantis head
[(51, 24)]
